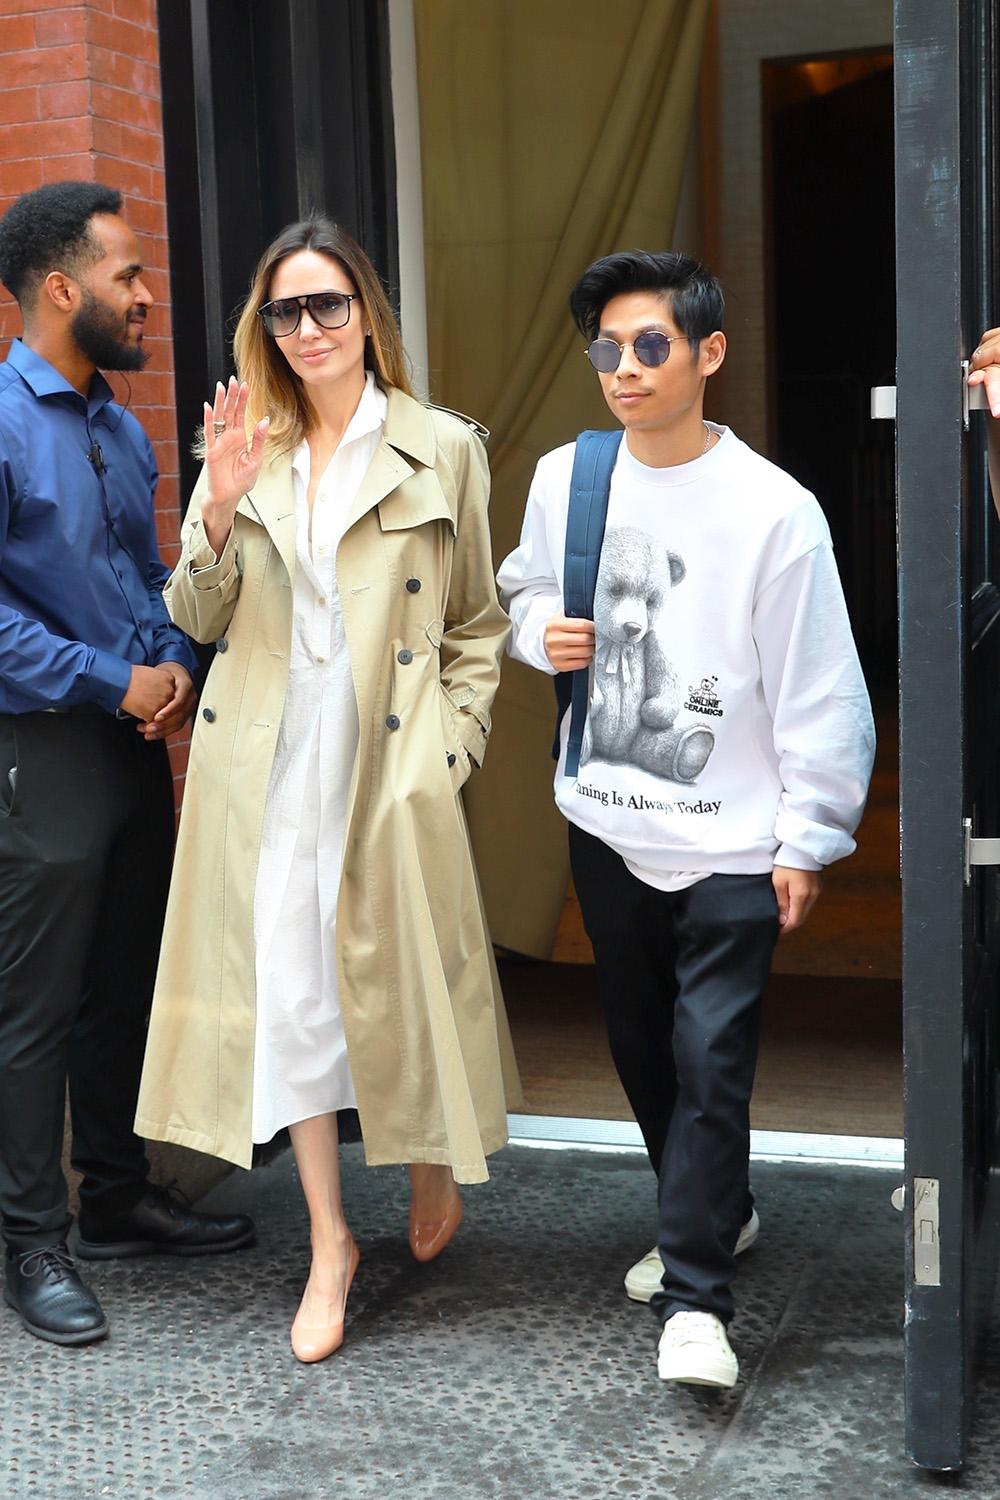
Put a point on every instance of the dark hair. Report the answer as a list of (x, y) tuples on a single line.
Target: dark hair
[(49, 230), (692, 293)]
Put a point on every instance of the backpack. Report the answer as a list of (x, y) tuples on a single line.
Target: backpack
[(589, 487)]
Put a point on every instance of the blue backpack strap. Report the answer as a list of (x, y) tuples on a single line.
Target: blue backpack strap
[(590, 485)]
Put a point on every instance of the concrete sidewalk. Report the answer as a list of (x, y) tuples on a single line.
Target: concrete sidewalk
[(512, 1368)]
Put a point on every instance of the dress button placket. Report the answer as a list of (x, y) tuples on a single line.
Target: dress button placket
[(323, 562)]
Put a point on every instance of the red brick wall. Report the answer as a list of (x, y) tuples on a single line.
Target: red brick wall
[(80, 97)]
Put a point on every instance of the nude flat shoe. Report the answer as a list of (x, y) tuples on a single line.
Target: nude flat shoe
[(429, 1239), (311, 1343)]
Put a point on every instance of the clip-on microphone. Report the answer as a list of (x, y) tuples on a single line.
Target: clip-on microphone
[(96, 457)]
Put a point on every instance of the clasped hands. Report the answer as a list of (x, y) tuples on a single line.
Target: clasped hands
[(162, 698)]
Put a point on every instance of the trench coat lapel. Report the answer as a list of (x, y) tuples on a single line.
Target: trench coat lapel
[(408, 435), (272, 504), (385, 473)]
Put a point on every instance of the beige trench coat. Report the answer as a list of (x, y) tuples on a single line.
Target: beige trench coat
[(427, 1034)]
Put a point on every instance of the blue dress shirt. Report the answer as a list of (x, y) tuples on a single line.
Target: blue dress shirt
[(81, 580)]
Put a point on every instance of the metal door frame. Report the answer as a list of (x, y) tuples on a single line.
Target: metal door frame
[(948, 721)]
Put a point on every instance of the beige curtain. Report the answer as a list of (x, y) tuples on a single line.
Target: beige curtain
[(552, 132)]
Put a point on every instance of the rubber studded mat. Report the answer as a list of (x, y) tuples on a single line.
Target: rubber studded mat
[(511, 1368)]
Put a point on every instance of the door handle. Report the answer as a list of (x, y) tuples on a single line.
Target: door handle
[(883, 403), (884, 399), (978, 851)]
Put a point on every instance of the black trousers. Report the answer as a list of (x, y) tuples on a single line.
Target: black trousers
[(86, 835), (681, 975)]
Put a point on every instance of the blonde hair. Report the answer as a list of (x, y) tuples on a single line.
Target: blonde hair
[(275, 391)]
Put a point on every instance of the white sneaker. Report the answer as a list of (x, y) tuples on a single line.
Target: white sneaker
[(694, 1348), (644, 1278)]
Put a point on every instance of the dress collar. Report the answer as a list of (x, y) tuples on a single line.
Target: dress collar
[(369, 416)]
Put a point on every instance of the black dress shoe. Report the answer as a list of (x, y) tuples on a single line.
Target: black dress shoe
[(160, 1224), (44, 1289)]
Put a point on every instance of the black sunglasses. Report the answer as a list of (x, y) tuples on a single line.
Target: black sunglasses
[(328, 309), (651, 348)]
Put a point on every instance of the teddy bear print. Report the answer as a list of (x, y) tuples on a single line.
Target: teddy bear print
[(636, 694)]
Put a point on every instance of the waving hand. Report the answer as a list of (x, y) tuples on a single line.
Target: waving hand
[(233, 467)]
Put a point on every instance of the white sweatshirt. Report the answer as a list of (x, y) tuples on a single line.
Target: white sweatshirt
[(729, 727)]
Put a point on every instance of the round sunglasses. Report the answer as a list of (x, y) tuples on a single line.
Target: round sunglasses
[(651, 348), (328, 309)]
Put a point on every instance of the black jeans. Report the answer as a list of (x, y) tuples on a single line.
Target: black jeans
[(681, 975), (86, 835)]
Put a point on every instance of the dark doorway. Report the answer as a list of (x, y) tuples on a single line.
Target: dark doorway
[(272, 109), (829, 127)]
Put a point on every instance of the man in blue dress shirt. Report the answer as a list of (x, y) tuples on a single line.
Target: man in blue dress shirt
[(93, 677)]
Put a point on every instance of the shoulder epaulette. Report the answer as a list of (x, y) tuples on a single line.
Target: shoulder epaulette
[(483, 433)]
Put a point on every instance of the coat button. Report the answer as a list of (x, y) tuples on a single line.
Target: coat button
[(208, 714), (451, 758), (405, 656), (222, 644), (413, 585), (392, 721)]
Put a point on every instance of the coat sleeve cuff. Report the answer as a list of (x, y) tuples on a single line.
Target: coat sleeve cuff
[(206, 570), (473, 733)]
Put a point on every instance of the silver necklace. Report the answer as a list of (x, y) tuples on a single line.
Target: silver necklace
[(708, 439)]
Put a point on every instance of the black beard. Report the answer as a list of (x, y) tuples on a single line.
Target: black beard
[(99, 334)]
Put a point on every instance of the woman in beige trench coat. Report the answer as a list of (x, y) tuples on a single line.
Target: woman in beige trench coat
[(420, 1009)]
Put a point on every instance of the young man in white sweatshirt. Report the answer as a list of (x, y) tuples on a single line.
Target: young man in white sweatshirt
[(725, 759)]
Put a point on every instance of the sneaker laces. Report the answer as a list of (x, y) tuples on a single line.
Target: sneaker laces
[(46, 1257), (687, 1328)]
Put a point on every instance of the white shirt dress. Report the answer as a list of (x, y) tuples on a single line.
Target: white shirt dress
[(301, 1066)]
